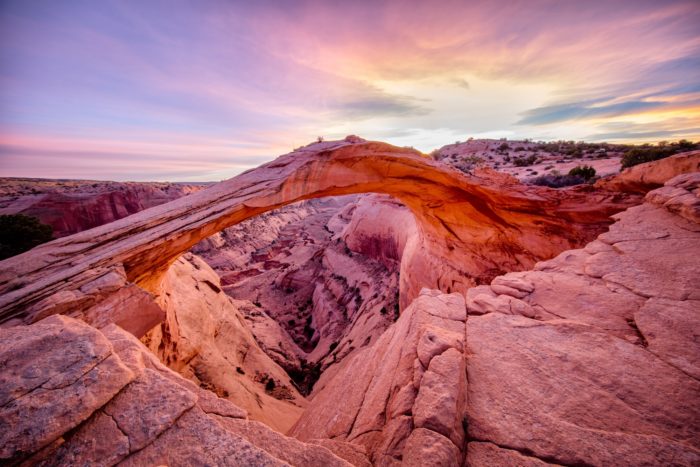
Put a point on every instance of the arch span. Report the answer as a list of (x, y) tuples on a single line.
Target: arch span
[(470, 228)]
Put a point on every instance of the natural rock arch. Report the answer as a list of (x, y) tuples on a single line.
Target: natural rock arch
[(471, 228)]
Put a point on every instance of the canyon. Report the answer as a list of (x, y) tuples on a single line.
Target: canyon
[(358, 303)]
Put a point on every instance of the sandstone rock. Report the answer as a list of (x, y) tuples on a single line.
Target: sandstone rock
[(426, 447), (205, 338), (147, 407), (388, 393), (286, 449), (644, 177), (471, 228), (130, 308), (671, 328), (441, 396), (99, 441), (54, 376), (317, 301), (98, 415), (488, 454), (195, 440), (574, 395), (354, 454), (73, 206)]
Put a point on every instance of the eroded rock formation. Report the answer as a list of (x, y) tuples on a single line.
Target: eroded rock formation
[(316, 291), (100, 397), (470, 228), (73, 206), (589, 359)]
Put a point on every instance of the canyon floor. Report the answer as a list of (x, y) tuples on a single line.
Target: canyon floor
[(356, 303)]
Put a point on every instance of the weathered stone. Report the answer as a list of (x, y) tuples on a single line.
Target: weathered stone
[(148, 406), (488, 455), (575, 395), (671, 329), (425, 447), (286, 449), (195, 439), (54, 375)]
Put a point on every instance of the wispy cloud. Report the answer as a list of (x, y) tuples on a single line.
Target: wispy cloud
[(230, 83)]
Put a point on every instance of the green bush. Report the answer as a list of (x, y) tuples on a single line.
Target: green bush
[(641, 155), (524, 161), (584, 171), (648, 153), (19, 233), (558, 181)]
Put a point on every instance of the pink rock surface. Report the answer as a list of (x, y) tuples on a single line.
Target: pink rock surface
[(54, 376), (75, 395), (388, 392), (206, 339)]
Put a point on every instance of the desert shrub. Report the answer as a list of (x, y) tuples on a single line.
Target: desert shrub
[(558, 181), (333, 346), (524, 161), (503, 147), (643, 154), (584, 171), (270, 385), (648, 153), (19, 233)]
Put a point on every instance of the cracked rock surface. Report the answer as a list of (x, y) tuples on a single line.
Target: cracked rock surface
[(590, 358), (75, 395)]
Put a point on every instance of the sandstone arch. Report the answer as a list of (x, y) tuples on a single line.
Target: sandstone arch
[(471, 228)]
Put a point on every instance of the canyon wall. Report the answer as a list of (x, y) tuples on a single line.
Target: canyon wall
[(591, 358), (73, 206)]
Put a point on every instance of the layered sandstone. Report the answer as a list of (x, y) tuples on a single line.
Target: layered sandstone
[(315, 294), (589, 359), (73, 206), (471, 228), (73, 395)]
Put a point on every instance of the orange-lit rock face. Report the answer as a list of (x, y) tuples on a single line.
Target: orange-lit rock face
[(469, 228)]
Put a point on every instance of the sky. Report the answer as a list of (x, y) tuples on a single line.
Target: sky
[(202, 90)]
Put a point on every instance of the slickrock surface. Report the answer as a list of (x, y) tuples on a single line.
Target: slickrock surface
[(591, 358), (72, 395), (205, 338), (472, 228), (405, 393), (71, 206)]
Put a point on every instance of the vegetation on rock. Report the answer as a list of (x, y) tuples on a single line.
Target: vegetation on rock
[(19, 233)]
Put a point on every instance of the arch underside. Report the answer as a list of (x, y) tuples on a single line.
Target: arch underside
[(470, 228)]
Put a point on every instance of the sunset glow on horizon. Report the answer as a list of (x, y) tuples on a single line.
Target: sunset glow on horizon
[(200, 91)]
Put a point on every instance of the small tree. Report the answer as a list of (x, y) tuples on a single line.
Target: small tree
[(19, 233)]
